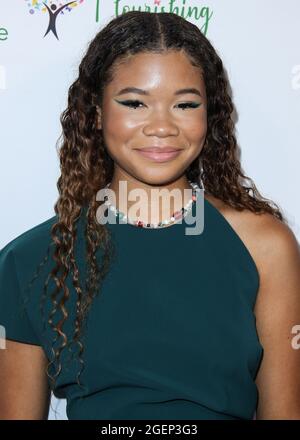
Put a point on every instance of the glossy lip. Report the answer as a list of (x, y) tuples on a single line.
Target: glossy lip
[(159, 156), (166, 149)]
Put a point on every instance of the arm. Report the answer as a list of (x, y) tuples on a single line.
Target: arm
[(25, 393), (277, 310)]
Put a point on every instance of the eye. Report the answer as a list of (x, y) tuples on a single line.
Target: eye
[(131, 103), (185, 105), (135, 104)]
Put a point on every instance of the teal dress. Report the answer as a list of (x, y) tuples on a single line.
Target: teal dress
[(172, 334)]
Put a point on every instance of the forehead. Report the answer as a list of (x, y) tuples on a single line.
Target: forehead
[(153, 71)]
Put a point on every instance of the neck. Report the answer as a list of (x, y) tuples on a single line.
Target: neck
[(149, 203)]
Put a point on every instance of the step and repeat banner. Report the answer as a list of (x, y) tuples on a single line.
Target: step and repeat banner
[(42, 43)]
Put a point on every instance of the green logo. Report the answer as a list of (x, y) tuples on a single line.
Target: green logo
[(201, 14), (3, 34)]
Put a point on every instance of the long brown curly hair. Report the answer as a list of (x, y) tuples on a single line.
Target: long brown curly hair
[(86, 166)]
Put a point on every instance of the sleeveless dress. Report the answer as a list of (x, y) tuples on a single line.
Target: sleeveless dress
[(172, 334)]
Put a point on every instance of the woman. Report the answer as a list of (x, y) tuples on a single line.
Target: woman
[(137, 319)]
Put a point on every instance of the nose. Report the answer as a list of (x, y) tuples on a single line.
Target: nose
[(161, 125)]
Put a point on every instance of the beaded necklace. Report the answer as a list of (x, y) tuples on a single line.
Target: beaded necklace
[(176, 216)]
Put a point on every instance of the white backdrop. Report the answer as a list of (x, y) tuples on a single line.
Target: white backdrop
[(257, 40)]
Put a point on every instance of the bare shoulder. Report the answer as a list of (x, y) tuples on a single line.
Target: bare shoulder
[(266, 237), (276, 253)]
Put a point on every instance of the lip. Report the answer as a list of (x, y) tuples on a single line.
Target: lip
[(166, 149), (159, 154)]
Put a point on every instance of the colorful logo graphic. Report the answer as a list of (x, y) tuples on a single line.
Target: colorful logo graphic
[(201, 14), (53, 9)]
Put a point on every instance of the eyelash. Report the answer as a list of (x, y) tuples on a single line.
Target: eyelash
[(130, 103)]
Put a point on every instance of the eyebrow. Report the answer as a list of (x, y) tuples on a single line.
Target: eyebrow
[(144, 92)]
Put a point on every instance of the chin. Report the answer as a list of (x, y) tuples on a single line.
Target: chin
[(159, 179)]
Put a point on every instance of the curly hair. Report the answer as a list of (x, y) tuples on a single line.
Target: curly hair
[(87, 167)]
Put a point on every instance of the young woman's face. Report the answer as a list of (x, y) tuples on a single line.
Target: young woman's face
[(156, 114)]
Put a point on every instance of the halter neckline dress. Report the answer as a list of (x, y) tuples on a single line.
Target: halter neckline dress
[(172, 334)]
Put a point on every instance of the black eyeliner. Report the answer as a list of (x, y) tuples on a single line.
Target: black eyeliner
[(132, 101)]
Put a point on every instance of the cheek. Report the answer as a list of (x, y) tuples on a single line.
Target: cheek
[(196, 129), (118, 126)]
